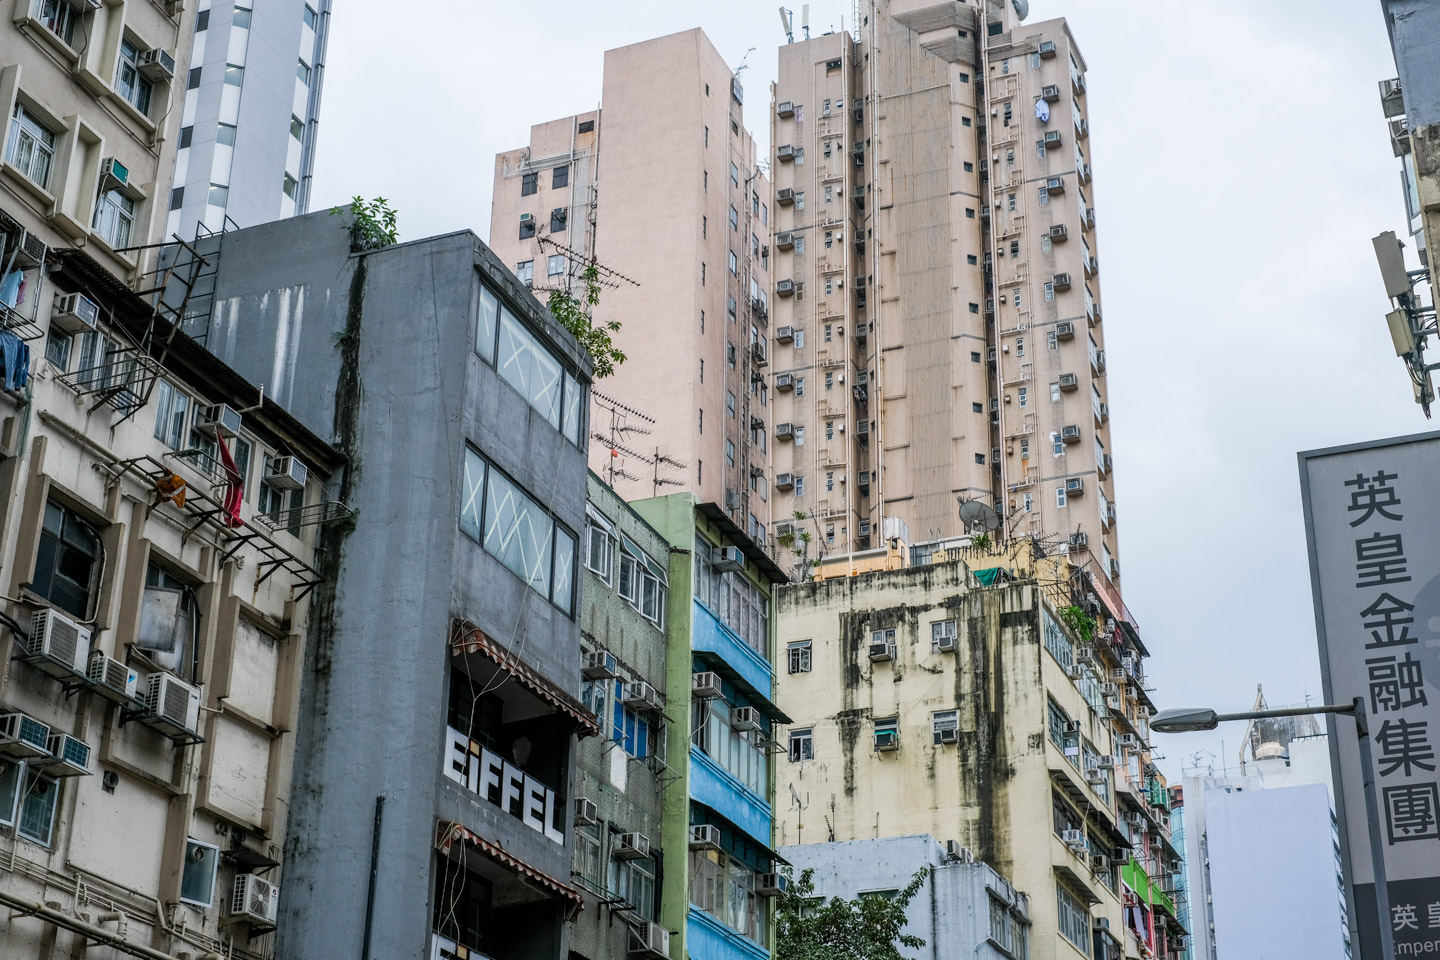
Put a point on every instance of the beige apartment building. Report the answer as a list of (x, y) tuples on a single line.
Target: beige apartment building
[(661, 187), (994, 698), (937, 330)]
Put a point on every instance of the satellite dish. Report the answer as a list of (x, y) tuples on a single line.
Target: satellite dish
[(978, 517), (1022, 8)]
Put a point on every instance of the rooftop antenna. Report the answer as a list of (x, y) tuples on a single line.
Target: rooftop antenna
[(741, 69), (785, 23), (805, 19)]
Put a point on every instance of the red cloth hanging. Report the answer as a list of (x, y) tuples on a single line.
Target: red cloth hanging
[(235, 486)]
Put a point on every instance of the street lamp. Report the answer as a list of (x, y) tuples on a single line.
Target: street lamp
[(1192, 719)]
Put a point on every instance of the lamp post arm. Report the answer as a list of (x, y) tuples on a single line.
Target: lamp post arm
[(1287, 712)]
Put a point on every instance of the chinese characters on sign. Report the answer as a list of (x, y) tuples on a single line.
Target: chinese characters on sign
[(1373, 525)]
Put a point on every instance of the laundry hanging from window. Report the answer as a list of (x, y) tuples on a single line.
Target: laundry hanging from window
[(1042, 111)]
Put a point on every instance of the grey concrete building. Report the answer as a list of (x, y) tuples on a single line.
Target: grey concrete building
[(251, 114), (965, 910), (439, 713), (621, 778)]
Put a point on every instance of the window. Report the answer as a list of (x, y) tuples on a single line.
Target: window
[(977, 407), (1057, 641), (241, 18), (518, 531), (557, 220), (59, 18), (629, 729), (586, 126), (723, 886), (734, 219), (560, 177), (529, 183), (799, 486), (799, 436), (310, 17), (587, 853), (1052, 342), (1019, 346), (980, 458), (302, 72), (1049, 292), (527, 227), (192, 81), (32, 146), (799, 205), (1074, 919), (964, 121), (225, 133), (524, 361), (555, 265), (600, 542), (829, 480), (802, 744), (799, 656), (942, 721), (197, 875), (169, 622), (66, 562), (643, 583), (219, 195), (1017, 298), (1045, 245), (170, 414), (1010, 202), (234, 75), (37, 807), (633, 881), (730, 404), (1055, 392), (9, 793), (1044, 197), (730, 354), (734, 264), (289, 185), (133, 88), (734, 175), (525, 271), (730, 453), (1021, 396), (942, 630), (463, 906), (1060, 496), (975, 358)]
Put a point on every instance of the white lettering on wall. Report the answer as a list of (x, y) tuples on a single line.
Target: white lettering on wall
[(508, 787)]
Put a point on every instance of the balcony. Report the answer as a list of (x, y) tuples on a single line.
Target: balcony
[(716, 788), (735, 660)]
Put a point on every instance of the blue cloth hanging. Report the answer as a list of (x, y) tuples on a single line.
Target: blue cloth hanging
[(15, 354)]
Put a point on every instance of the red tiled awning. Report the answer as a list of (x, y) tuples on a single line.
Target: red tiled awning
[(474, 640), (452, 833)]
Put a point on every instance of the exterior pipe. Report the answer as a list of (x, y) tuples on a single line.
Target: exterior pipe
[(374, 874), (100, 935)]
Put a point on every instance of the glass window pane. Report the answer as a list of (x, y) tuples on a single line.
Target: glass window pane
[(471, 493), (564, 570), (571, 423), (197, 882), (529, 367), (518, 532), (485, 324), (37, 809)]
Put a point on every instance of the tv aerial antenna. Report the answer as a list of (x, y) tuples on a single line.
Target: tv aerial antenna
[(626, 423)]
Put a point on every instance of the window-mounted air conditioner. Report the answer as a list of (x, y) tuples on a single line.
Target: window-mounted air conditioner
[(784, 334), (1065, 330), (255, 899), (1050, 92), (1079, 539), (948, 735), (1106, 763), (1128, 741), (887, 741), (785, 109), (632, 846), (599, 665), (883, 650), (114, 172), (639, 695), (1070, 433), (784, 241), (1075, 487), (785, 153), (1074, 671), (705, 686), (218, 420), (1073, 838), (784, 431), (704, 836), (21, 735), (74, 313), (785, 288), (112, 679), (784, 481), (1069, 381), (61, 641), (772, 884), (587, 814), (864, 529), (745, 718), (1061, 281), (69, 757), (651, 940), (727, 559), (785, 196), (287, 473), (156, 64), (1094, 775), (784, 382)]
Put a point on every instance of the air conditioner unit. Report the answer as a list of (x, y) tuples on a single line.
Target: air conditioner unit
[(1061, 281), (784, 529), (173, 701), (599, 665), (784, 481), (884, 650), (785, 109), (255, 899), (526, 217), (990, 354), (74, 313), (1065, 330), (1059, 233), (1074, 671), (784, 431), (287, 473), (784, 382), (1052, 138), (1055, 185), (785, 153), (946, 644), (632, 846), (587, 814), (21, 735), (948, 735), (1099, 863), (1106, 762), (1095, 775), (112, 679), (1085, 172), (745, 718), (727, 559), (887, 741), (1135, 818), (69, 757), (1073, 838), (651, 940), (1069, 381), (784, 241), (114, 171), (785, 288), (156, 64), (1070, 433), (863, 478), (704, 686), (1082, 129), (784, 334), (772, 884), (1050, 92), (955, 850), (1114, 564), (757, 354), (1128, 741), (639, 695), (1072, 726), (704, 836), (1079, 540), (29, 249), (1109, 690), (864, 528), (1075, 487), (862, 429), (1117, 673), (1047, 49), (63, 643), (218, 420)]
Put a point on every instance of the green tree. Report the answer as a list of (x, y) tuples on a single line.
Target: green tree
[(574, 315), (372, 223), (870, 927)]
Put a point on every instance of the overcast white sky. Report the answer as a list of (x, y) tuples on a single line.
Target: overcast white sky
[(1241, 168)]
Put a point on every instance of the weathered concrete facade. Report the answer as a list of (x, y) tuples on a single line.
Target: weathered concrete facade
[(623, 628), (928, 702), (964, 911), (440, 700)]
